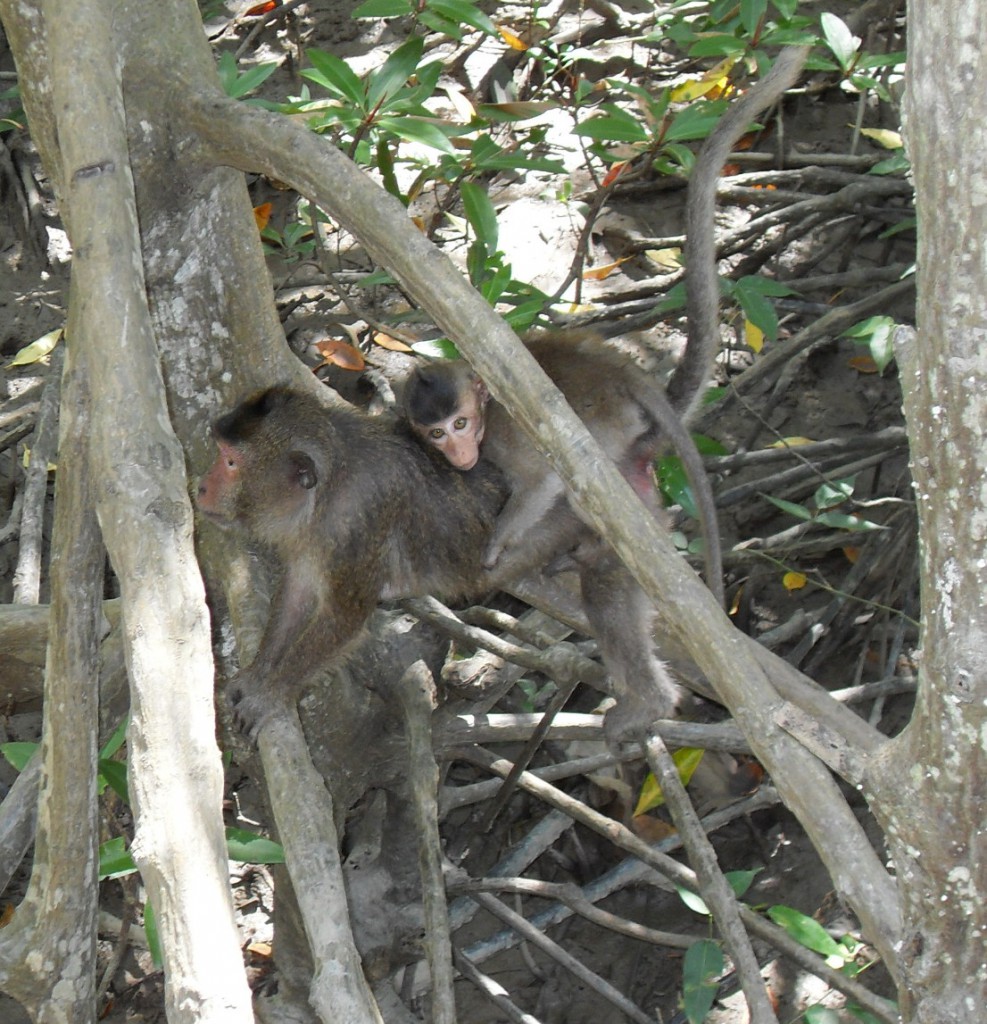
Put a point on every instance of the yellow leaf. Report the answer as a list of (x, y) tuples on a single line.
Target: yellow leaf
[(391, 344), (602, 273), (716, 81), (37, 350), (794, 580), (884, 137), (27, 461), (852, 554), (513, 41), (262, 214), (753, 336), (686, 761), (668, 259), (791, 442)]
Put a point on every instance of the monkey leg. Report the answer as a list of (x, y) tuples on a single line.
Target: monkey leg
[(621, 616)]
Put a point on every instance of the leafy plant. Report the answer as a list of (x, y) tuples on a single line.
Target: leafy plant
[(115, 860), (851, 60), (875, 334), (237, 85), (704, 961), (444, 16), (825, 500)]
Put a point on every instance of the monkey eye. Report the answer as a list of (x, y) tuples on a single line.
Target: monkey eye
[(435, 433), (461, 422)]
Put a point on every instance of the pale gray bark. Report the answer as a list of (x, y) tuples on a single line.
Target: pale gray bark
[(929, 781), (48, 954)]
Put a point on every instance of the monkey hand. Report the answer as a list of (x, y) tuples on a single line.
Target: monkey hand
[(253, 704)]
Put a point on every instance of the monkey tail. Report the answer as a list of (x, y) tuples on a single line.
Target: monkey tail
[(656, 402), (701, 282)]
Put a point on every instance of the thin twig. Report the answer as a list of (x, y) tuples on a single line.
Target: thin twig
[(715, 889), (576, 967)]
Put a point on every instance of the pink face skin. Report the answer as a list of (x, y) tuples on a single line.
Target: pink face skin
[(458, 437)]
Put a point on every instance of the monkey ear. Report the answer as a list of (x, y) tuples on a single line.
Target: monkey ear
[(482, 394), (304, 469)]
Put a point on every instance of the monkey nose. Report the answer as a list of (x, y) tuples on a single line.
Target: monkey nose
[(463, 457)]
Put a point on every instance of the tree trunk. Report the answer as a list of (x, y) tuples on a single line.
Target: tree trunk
[(928, 784)]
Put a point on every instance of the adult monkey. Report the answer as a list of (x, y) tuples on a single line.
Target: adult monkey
[(356, 511), (447, 406)]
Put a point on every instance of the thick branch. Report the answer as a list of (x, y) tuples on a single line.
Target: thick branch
[(251, 139)]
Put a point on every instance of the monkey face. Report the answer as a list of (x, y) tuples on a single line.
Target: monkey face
[(459, 435)]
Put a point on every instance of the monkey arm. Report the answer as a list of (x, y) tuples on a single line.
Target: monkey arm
[(310, 626), (524, 508)]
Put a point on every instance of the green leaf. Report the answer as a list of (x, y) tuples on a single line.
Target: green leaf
[(436, 23), (376, 278), (864, 1016), (481, 215), (486, 155), (335, 75), (709, 445), (787, 506), (841, 40), (516, 110), (881, 60), (829, 494), (786, 8), (415, 129), (115, 742), (674, 484), (756, 308), (760, 285), (740, 881), (876, 332), (842, 521), (394, 72), (674, 299), (114, 773), (806, 931), (693, 900), (703, 963), (716, 45), (151, 931), (18, 754), (115, 860), (439, 348), (384, 9), (250, 848), (751, 13), (464, 12), (695, 122), (615, 125)]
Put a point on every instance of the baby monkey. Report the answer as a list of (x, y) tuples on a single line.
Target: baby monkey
[(627, 412)]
